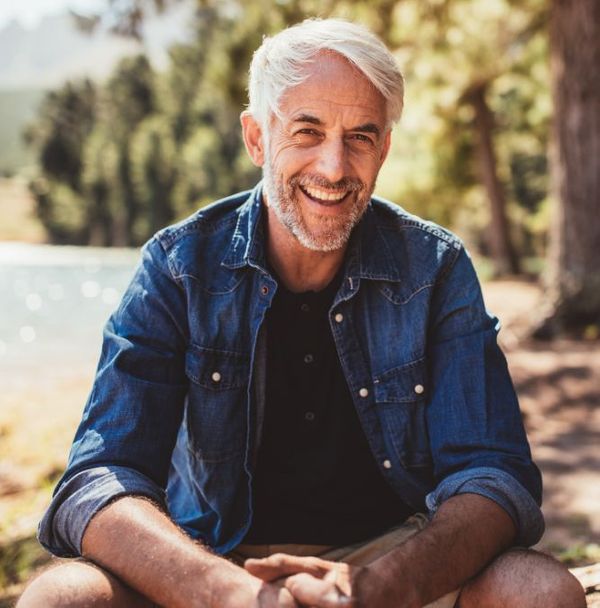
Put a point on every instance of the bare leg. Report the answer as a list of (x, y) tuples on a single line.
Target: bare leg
[(79, 584), (523, 578)]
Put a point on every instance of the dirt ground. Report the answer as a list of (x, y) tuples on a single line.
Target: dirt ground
[(559, 389), (558, 384)]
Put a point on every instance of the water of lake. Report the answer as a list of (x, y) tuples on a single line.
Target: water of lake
[(54, 302)]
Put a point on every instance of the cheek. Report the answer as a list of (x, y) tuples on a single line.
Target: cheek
[(367, 167), (288, 158), (367, 156)]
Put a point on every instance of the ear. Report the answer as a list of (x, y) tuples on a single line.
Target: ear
[(386, 145), (253, 138)]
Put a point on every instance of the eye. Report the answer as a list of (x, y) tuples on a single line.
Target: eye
[(361, 138), (308, 131)]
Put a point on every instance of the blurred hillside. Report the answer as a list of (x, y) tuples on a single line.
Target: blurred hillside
[(41, 58), (54, 51)]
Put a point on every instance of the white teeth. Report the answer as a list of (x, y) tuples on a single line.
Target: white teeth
[(323, 195)]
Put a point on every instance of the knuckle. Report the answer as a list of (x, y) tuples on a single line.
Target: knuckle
[(278, 559)]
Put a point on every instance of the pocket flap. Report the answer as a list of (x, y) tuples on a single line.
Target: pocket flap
[(407, 383), (216, 369)]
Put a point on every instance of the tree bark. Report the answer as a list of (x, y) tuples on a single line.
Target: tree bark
[(501, 247), (572, 299)]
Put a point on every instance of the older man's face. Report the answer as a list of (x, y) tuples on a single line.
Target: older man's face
[(324, 153)]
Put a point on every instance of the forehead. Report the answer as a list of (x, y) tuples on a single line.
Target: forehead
[(334, 89)]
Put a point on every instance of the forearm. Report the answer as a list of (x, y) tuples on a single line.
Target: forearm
[(465, 534), (133, 539)]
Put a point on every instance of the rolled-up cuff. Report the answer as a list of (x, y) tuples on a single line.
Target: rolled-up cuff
[(81, 497), (503, 489)]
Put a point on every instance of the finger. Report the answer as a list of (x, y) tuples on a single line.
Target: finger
[(276, 596), (316, 592), (285, 599), (280, 564)]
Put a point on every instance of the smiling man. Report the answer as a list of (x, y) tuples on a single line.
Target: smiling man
[(322, 154), (300, 400)]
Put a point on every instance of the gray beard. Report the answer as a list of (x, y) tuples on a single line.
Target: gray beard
[(334, 232)]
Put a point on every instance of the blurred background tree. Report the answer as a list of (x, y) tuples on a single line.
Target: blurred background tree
[(64, 123), (573, 281), (471, 152)]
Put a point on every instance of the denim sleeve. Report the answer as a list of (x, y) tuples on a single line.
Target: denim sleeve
[(79, 498), (127, 433), (476, 432)]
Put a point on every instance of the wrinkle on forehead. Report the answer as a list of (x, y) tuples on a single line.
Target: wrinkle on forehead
[(324, 79)]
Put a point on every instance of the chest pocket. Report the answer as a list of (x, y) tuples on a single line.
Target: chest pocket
[(401, 396), (217, 402)]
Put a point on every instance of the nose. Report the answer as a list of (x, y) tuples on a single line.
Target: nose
[(332, 160)]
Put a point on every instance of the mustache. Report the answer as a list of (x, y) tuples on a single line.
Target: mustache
[(312, 179)]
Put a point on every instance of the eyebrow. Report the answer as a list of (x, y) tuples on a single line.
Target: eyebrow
[(313, 120), (369, 127)]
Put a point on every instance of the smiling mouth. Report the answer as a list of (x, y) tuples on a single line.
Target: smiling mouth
[(324, 197)]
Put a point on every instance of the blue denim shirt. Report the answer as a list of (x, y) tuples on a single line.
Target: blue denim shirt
[(176, 408)]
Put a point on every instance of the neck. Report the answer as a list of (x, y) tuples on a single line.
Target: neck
[(299, 268)]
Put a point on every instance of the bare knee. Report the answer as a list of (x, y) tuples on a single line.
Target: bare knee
[(523, 578), (78, 584)]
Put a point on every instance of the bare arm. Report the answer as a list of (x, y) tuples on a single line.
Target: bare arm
[(466, 533), (136, 541)]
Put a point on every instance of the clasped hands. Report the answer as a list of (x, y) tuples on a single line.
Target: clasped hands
[(306, 581)]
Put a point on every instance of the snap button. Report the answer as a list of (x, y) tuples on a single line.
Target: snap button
[(419, 388), (339, 317), (264, 290), (216, 376), (308, 358), (387, 464), (309, 416), (363, 392), (304, 307)]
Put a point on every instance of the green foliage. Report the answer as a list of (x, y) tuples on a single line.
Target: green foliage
[(129, 95), (58, 136), (151, 148), (100, 185), (61, 210), (148, 148), (66, 118), (153, 170), (447, 48)]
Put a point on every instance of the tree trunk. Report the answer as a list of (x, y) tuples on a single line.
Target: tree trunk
[(501, 248), (573, 281)]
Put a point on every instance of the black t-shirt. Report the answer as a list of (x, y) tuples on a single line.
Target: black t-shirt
[(316, 480)]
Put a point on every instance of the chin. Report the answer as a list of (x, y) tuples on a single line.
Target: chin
[(324, 243)]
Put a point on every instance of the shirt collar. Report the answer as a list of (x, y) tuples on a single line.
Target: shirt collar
[(247, 247), (369, 255)]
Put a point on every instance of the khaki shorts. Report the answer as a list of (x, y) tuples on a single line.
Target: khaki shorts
[(358, 554)]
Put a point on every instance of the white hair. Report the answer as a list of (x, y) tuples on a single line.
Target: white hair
[(278, 64)]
